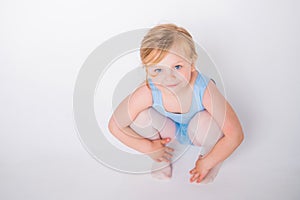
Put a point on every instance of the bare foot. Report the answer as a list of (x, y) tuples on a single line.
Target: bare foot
[(161, 170)]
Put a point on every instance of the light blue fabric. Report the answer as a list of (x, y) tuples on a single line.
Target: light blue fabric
[(181, 133), (182, 120)]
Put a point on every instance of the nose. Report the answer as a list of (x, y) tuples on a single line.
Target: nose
[(170, 74)]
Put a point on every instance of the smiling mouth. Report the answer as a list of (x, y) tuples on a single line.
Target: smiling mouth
[(173, 85)]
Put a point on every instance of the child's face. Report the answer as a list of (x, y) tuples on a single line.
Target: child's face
[(173, 72)]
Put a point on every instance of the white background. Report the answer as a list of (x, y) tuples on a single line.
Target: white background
[(255, 45)]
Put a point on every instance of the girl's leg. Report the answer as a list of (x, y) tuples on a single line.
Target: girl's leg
[(205, 132), (152, 125)]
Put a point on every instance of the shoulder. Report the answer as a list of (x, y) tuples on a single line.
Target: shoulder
[(142, 95), (212, 96), (139, 100)]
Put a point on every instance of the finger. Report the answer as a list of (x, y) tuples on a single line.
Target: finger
[(168, 149), (165, 140), (168, 155), (165, 159), (200, 178), (193, 171), (194, 177)]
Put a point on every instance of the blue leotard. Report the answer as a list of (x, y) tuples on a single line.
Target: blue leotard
[(182, 119)]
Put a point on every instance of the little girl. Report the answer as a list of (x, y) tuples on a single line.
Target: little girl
[(176, 102)]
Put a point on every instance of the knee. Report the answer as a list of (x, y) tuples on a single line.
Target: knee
[(200, 121), (203, 126), (168, 129), (143, 119), (149, 120)]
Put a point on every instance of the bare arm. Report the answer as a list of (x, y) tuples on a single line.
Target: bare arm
[(224, 115), (125, 114)]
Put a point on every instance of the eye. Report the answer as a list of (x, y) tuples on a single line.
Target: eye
[(177, 67), (157, 70)]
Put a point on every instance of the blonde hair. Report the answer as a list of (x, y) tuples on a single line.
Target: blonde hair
[(161, 38)]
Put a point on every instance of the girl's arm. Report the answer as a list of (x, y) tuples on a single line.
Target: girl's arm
[(215, 103), (125, 114)]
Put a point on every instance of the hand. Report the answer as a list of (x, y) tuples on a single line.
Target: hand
[(200, 170), (159, 151)]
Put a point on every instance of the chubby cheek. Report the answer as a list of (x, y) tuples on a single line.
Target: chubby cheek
[(185, 76), (158, 79)]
